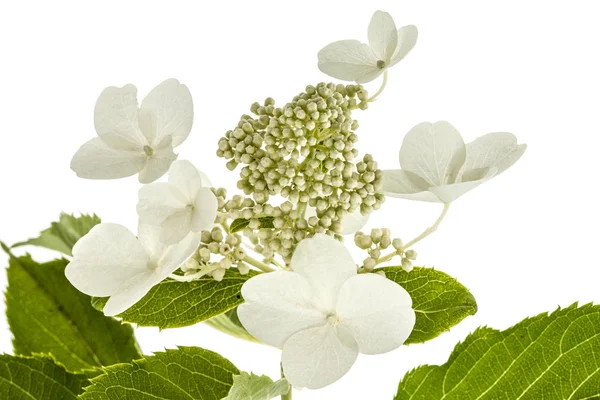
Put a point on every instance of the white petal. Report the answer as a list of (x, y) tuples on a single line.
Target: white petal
[(176, 226), (185, 181), (326, 264), (205, 210), (349, 60), (407, 38), (104, 258), (377, 311), (160, 161), (449, 193), (167, 110), (176, 255), (383, 36), (96, 160), (277, 305), (149, 237), (353, 222), (166, 258), (130, 293), (435, 152), (205, 179), (498, 149), (116, 118), (156, 203), (317, 357), (396, 183)]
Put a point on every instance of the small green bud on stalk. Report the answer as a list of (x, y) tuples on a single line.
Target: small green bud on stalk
[(411, 254), (407, 265)]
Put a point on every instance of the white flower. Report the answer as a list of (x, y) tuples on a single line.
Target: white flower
[(437, 166), (323, 313), (351, 60), (181, 206), (135, 140), (111, 261)]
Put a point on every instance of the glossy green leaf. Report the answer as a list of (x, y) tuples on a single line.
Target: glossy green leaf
[(47, 314), (439, 301), (62, 235), (253, 387), (552, 356), (173, 304), (182, 374), (37, 378)]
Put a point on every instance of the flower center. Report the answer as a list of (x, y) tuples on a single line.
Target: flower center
[(380, 64), (148, 150), (332, 319)]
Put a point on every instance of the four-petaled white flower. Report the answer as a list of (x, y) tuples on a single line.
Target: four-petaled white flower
[(135, 140), (437, 166), (323, 313), (181, 206), (351, 60), (111, 261)]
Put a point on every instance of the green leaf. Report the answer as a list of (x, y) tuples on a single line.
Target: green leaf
[(62, 235), (253, 387), (240, 224), (39, 378), (439, 301), (182, 374), (230, 323), (173, 304), (47, 314), (545, 357)]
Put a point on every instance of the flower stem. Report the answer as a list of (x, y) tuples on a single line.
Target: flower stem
[(260, 265), (383, 84), (429, 230), (422, 236), (386, 258)]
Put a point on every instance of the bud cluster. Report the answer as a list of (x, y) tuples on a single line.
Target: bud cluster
[(379, 240), (304, 152)]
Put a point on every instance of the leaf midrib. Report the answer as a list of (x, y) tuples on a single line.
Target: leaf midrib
[(74, 325)]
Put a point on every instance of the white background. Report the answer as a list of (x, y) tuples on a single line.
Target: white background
[(524, 243)]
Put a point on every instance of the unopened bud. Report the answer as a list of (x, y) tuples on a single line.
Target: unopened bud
[(407, 265)]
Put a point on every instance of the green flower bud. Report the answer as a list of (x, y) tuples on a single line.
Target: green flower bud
[(218, 274), (369, 264), (376, 235), (190, 265), (407, 265), (243, 268), (216, 234), (204, 254)]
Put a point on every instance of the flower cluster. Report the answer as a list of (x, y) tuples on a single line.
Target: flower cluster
[(304, 152), (110, 260), (304, 186)]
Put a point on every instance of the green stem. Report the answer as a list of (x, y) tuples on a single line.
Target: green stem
[(422, 236), (383, 84), (387, 257), (429, 230), (260, 265), (288, 395)]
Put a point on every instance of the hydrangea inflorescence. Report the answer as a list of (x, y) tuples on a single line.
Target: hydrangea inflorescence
[(304, 186), (306, 153)]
